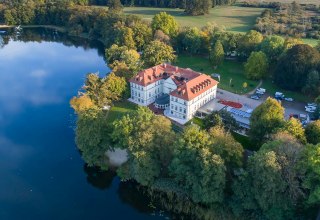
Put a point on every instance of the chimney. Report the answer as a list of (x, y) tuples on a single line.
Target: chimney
[(177, 69)]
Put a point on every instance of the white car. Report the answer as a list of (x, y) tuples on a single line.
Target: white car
[(312, 104), (261, 90), (310, 107), (310, 110), (289, 99)]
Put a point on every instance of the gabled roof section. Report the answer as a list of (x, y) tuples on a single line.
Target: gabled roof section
[(194, 87), (163, 71)]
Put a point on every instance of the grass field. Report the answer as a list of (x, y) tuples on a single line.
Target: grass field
[(312, 42), (228, 70), (120, 109), (234, 18), (315, 2)]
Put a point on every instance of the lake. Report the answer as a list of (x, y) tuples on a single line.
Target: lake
[(42, 173)]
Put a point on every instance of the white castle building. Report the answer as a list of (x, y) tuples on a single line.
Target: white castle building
[(181, 92)]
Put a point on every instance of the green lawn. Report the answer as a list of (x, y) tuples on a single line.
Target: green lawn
[(315, 2), (234, 18), (120, 109), (312, 42), (228, 70)]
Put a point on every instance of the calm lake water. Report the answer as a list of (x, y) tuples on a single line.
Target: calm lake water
[(42, 175)]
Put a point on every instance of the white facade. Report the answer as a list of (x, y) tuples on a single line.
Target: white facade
[(181, 92), (185, 110), (179, 108)]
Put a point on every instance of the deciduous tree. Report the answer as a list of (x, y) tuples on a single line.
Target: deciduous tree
[(166, 23), (256, 66), (265, 120), (313, 132), (156, 53), (217, 54)]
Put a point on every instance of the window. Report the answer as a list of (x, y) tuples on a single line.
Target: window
[(180, 109), (184, 111)]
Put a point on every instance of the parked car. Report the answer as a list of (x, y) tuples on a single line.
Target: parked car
[(255, 97), (312, 104), (289, 99), (261, 90), (310, 110), (310, 107), (279, 95)]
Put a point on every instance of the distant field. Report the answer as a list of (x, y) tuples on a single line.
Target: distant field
[(234, 18), (316, 2)]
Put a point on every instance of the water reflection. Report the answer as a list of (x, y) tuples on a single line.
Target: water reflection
[(99, 179), (42, 173)]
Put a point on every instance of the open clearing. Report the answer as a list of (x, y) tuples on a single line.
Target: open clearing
[(234, 18), (231, 72)]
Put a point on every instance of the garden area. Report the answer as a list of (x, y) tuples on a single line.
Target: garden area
[(120, 109)]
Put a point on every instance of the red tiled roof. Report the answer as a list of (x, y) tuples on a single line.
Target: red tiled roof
[(194, 87), (163, 71), (190, 83)]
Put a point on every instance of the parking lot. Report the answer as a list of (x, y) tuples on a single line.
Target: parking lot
[(290, 107)]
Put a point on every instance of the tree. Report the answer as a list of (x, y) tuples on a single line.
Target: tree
[(120, 69), (92, 137), (81, 103), (142, 34), (271, 184), (115, 87), (125, 37), (148, 139), (160, 36), (265, 120), (249, 42), (123, 54), (115, 6), (313, 132), (192, 40), (290, 72), (312, 86), (196, 169), (157, 52), (311, 182), (318, 46), (224, 145), (272, 47), (166, 23), (256, 66), (221, 119), (217, 54), (198, 7), (290, 42), (294, 127), (96, 90)]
